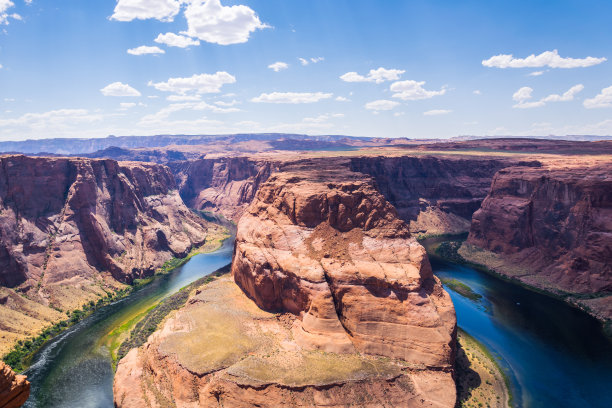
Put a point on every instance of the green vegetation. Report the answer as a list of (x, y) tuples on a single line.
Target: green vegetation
[(144, 327), (20, 357), (448, 250), (461, 288)]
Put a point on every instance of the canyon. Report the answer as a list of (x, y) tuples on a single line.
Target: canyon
[(319, 232), (327, 279)]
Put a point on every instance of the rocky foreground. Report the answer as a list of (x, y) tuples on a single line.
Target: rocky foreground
[(332, 303), (14, 389), (73, 230)]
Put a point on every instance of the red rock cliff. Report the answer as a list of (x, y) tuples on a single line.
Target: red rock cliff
[(550, 228), (71, 227)]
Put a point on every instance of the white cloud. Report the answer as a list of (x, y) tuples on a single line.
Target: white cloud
[(306, 61), (602, 100), (4, 15), (436, 112), (227, 104), (278, 66), (0, 66), (524, 94), (183, 98), (55, 123), (536, 73), (342, 99), (550, 59), (164, 10), (126, 105), (375, 75), (397, 114), (212, 22), (196, 84), (477, 92), (413, 90), (163, 114), (145, 49), (323, 118), (291, 97), (175, 40), (381, 105), (119, 89)]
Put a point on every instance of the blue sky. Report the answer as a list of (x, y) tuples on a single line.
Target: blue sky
[(304, 66)]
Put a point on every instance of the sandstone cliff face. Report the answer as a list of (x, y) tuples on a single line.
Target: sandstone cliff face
[(434, 195), (14, 389), (70, 229), (550, 228), (342, 310), (224, 185)]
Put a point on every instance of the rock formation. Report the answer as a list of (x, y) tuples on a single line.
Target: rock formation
[(342, 310), (14, 389), (225, 185), (71, 229), (551, 228)]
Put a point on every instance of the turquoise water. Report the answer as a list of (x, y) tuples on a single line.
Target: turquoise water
[(555, 355), (74, 370)]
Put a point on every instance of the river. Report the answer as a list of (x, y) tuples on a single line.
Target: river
[(74, 369), (555, 355)]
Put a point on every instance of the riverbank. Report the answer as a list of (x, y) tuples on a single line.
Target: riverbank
[(480, 380), (20, 356)]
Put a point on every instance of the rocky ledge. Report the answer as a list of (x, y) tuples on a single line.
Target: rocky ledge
[(14, 389), (334, 304)]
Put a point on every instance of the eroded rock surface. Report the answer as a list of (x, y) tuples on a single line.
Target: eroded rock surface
[(342, 310), (72, 229), (14, 389), (550, 227)]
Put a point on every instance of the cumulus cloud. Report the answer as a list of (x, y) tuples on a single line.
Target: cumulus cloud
[(375, 75), (550, 59), (196, 84), (127, 105), (175, 40), (342, 99), (524, 94), (212, 22), (227, 104), (413, 90), (602, 100), (278, 66), (381, 105), (119, 89), (145, 49), (291, 97), (436, 112), (128, 10)]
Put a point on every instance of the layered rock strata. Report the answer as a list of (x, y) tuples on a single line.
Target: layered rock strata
[(334, 305), (73, 229), (14, 389), (551, 228), (225, 186)]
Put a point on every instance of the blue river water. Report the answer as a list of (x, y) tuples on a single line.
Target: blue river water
[(555, 355)]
